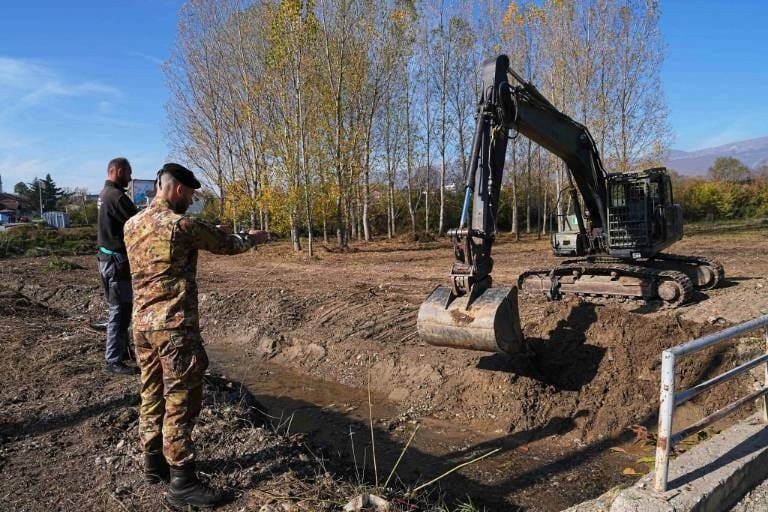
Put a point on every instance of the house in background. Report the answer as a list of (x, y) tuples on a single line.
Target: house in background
[(141, 192), (16, 204)]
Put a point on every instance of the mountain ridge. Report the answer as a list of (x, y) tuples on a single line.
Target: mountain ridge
[(752, 152)]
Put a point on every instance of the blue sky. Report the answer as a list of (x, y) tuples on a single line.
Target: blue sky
[(715, 75), (80, 82)]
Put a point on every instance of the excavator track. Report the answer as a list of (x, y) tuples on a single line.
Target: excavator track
[(705, 273), (609, 280)]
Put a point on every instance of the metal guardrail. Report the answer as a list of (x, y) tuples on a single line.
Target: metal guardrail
[(668, 399)]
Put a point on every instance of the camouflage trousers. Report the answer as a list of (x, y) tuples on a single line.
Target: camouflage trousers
[(172, 364)]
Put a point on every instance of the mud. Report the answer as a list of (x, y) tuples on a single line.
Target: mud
[(347, 319)]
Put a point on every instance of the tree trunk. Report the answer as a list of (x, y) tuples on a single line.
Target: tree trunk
[(528, 190), (294, 233)]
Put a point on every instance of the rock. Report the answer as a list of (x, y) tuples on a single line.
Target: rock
[(399, 394), (120, 444), (366, 501), (267, 345), (278, 507), (315, 351)]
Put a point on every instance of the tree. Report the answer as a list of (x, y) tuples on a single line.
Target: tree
[(51, 193), (42, 192), (334, 112), (728, 169), (761, 172), (21, 189)]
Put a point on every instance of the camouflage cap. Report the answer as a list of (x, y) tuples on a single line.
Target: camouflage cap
[(181, 173)]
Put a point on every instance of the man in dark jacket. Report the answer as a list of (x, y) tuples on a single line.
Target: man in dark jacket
[(114, 209)]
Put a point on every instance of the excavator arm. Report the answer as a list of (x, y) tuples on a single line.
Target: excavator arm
[(532, 115), (471, 313), (503, 107)]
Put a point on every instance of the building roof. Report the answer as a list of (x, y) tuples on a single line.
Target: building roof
[(12, 202)]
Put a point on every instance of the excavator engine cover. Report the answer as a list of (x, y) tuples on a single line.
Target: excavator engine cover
[(491, 322)]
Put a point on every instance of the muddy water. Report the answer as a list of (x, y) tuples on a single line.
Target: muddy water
[(544, 470)]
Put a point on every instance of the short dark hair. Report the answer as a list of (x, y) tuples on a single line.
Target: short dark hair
[(118, 164)]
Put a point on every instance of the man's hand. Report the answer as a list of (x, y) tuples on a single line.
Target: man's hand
[(256, 236)]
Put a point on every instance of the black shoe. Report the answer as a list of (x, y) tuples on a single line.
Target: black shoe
[(120, 369), (156, 469), (99, 325), (130, 354), (186, 490)]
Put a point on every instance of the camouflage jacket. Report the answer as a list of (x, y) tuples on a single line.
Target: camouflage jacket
[(162, 249)]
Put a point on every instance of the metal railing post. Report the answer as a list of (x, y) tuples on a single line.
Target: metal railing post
[(666, 413), (765, 397)]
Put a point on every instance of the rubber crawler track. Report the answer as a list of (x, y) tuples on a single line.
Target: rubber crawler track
[(684, 284), (717, 269)]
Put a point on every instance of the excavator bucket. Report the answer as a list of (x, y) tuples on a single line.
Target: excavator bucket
[(490, 322)]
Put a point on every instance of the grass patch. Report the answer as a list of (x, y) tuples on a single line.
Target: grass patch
[(57, 263), (724, 226), (40, 241)]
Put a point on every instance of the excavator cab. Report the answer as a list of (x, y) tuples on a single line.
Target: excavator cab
[(642, 219)]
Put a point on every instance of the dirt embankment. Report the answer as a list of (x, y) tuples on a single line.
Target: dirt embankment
[(350, 316), (597, 364), (69, 431)]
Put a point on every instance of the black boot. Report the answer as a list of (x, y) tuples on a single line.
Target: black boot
[(156, 469), (186, 489)]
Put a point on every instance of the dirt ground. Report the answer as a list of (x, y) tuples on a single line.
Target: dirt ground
[(69, 431), (348, 318)]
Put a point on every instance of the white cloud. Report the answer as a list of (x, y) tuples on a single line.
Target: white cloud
[(14, 170), (25, 83), (74, 171), (17, 73), (150, 58), (70, 128)]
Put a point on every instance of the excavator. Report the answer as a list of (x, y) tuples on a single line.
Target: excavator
[(612, 240)]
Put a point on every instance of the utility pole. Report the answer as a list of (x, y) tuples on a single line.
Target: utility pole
[(40, 195)]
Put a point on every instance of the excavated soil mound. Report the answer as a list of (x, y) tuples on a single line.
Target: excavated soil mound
[(593, 370)]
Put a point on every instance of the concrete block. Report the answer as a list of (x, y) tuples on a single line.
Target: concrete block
[(710, 477)]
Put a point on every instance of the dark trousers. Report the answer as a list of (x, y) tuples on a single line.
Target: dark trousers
[(116, 279)]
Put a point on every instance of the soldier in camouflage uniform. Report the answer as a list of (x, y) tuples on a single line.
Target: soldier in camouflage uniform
[(162, 246)]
